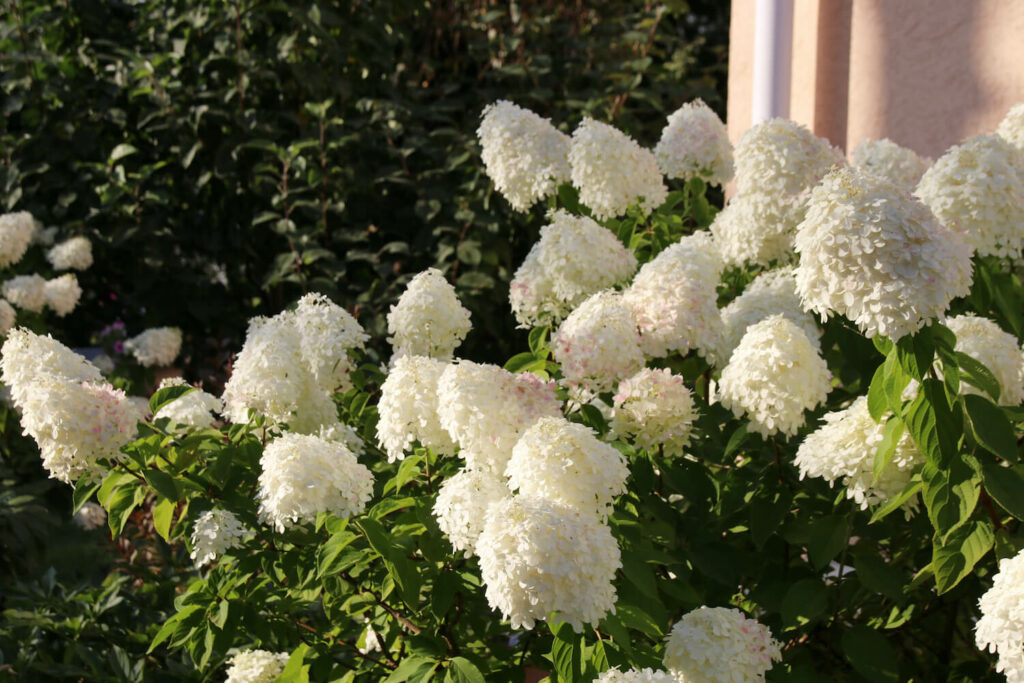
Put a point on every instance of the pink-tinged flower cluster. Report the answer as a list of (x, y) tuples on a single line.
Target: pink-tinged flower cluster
[(655, 409), (720, 645), (598, 344)]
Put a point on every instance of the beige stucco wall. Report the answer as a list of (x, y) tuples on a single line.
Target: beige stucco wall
[(925, 73)]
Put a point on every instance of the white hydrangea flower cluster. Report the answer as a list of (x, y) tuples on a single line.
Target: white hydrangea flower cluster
[(428, 319), (844, 447), (695, 144), (214, 533), (720, 645), (196, 409), (7, 317), (71, 254), (1000, 629), (486, 409), (674, 302), (256, 666), (525, 156), (574, 258), (329, 333), (462, 504), (977, 187), (305, 475), (27, 292), (983, 340), (758, 227), (567, 464), (290, 365), (773, 376), (647, 675), (155, 347), (780, 156), (538, 557), (89, 517), (62, 294), (1011, 128), (612, 172), (598, 344), (654, 408), (770, 293), (876, 255), (16, 231), (408, 408), (74, 416), (887, 160)]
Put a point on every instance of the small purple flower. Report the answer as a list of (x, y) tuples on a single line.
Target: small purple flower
[(118, 325), (119, 347)]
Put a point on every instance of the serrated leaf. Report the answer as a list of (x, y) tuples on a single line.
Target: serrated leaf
[(955, 557), (82, 493), (163, 515), (897, 501), (1006, 486), (949, 494), (977, 374), (328, 555), (891, 434), (461, 670), (162, 483), (567, 654), (164, 396), (990, 427)]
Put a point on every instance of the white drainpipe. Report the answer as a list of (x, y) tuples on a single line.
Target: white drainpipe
[(773, 56)]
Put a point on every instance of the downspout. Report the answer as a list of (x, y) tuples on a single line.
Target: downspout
[(773, 56)]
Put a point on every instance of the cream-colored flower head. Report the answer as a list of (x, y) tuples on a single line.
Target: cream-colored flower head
[(773, 376), (612, 172), (978, 187), (654, 408), (566, 463), (1011, 128), (574, 258), (695, 144), (27, 292), (428, 319), (256, 666), (329, 333), (720, 645), (647, 675), (984, 341), (673, 299), (214, 533), (525, 156), (780, 156), (7, 317), (155, 347), (62, 294), (271, 375), (71, 254), (758, 227), (196, 409), (598, 344), (486, 409), (305, 475), (1000, 629), (876, 255), (462, 504), (843, 449), (538, 558), (75, 417), (16, 230), (887, 160), (408, 408), (771, 292)]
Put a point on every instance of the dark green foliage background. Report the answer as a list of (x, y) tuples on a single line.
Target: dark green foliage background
[(312, 145)]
